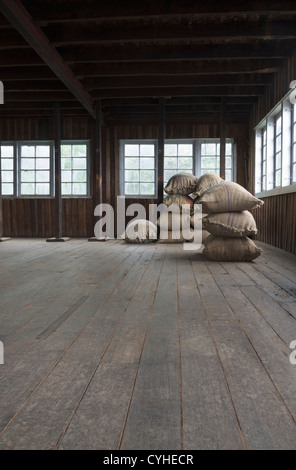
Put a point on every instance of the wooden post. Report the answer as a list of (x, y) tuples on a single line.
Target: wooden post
[(2, 239), (97, 162), (161, 141), (222, 137), (58, 186)]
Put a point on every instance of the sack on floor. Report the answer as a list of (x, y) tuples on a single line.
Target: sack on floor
[(181, 183), (141, 231), (230, 249), (205, 182), (228, 197), (178, 202), (230, 224)]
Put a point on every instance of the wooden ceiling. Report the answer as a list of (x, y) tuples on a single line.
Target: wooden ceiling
[(130, 53)]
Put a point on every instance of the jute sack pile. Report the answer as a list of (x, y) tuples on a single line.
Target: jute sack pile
[(230, 223), (181, 183), (140, 231)]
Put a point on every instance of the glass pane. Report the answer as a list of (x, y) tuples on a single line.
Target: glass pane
[(278, 177), (80, 189), (147, 176), (79, 163), (7, 189), (43, 176), (228, 162), (228, 149), (170, 150), (187, 171), (185, 150), (131, 150), (79, 176), (294, 173), (147, 188), (278, 143), (185, 163), (131, 163), (208, 162), (170, 163), (28, 176), (66, 163), (168, 174), (43, 151), (264, 183), (294, 153), (147, 163), (132, 175), (79, 150), (228, 175), (264, 137), (216, 172), (27, 189), (147, 150), (43, 189), (208, 149), (42, 163), (278, 161), (7, 151), (27, 151), (28, 164), (66, 188), (294, 132), (66, 150), (278, 126), (7, 164), (131, 189), (7, 176), (66, 176)]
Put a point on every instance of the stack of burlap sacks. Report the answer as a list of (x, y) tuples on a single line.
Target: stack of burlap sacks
[(181, 192), (229, 222)]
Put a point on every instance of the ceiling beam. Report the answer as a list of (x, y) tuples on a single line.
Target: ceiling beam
[(69, 10), (18, 16)]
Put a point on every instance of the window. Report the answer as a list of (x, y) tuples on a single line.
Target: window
[(278, 150), (139, 169), (293, 163), (7, 169), (35, 168), (74, 167), (178, 158), (264, 160), (194, 156), (210, 158)]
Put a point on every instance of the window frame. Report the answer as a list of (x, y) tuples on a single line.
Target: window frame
[(14, 145), (88, 176), (293, 145)]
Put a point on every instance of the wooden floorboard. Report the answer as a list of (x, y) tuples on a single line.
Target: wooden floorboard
[(133, 346)]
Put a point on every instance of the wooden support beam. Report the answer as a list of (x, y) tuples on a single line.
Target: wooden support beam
[(222, 137), (18, 16), (58, 173), (161, 142)]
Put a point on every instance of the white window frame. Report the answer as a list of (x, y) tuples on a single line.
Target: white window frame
[(11, 144), (79, 142)]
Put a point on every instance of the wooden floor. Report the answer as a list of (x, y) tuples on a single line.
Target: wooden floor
[(117, 346)]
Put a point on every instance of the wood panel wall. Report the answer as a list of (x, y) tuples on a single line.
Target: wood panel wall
[(276, 219)]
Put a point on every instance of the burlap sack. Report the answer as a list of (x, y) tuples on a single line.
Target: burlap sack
[(181, 201), (230, 224), (228, 197), (141, 231), (181, 183), (230, 249), (173, 221), (205, 182)]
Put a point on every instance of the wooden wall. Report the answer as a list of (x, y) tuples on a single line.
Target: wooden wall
[(36, 217), (276, 219)]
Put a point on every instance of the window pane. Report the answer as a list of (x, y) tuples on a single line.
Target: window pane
[(66, 176), (228, 175), (131, 163), (66, 163), (294, 173), (147, 176), (7, 151), (43, 189), (132, 175), (43, 151), (7, 189), (147, 163), (147, 188), (28, 164), (278, 177), (168, 174), (42, 176), (294, 153), (278, 126), (66, 150), (147, 150), (7, 164), (42, 164), (131, 150), (228, 149), (7, 176), (216, 172), (132, 188), (28, 176), (278, 163), (170, 150), (27, 151), (79, 163), (170, 163), (79, 151), (209, 162), (185, 163), (79, 176), (66, 188), (79, 189), (228, 162), (208, 149), (185, 150), (27, 189)]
